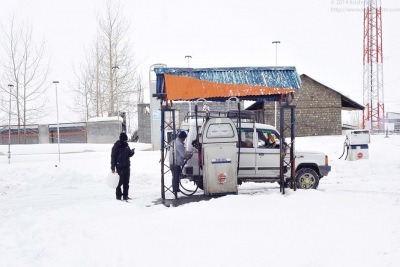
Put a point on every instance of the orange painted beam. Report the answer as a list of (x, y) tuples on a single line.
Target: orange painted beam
[(185, 88)]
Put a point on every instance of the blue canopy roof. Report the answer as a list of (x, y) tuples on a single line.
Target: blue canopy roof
[(249, 83)]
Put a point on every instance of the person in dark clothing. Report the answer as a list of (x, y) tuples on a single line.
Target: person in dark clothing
[(177, 159), (120, 162)]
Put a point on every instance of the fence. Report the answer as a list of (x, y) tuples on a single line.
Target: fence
[(105, 132), (19, 135), (36, 134), (69, 133)]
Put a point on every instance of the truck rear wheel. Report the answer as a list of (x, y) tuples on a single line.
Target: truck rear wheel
[(307, 178)]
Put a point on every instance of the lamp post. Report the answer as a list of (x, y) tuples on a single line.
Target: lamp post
[(58, 125), (276, 51), (10, 86), (188, 58), (276, 64)]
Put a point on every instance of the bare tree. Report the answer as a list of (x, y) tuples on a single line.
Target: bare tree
[(114, 32), (88, 90), (25, 65), (100, 90), (140, 90), (111, 67), (83, 93)]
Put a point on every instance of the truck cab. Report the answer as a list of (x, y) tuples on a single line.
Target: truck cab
[(258, 154)]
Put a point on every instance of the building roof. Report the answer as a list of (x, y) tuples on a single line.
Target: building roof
[(347, 103), (246, 83)]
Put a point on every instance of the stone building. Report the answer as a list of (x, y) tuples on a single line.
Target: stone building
[(318, 109)]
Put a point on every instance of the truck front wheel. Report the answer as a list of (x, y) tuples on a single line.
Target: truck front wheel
[(307, 178)]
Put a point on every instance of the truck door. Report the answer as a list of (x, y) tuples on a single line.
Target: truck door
[(267, 153), (247, 152)]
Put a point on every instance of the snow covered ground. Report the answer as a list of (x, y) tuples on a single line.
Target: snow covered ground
[(65, 215)]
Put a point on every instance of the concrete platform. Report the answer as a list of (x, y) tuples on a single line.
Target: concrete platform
[(182, 200)]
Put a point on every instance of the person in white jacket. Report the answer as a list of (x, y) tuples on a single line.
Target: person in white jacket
[(177, 159)]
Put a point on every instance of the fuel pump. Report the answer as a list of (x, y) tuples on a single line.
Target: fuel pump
[(358, 141), (219, 139)]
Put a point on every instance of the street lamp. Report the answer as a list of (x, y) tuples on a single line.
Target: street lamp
[(276, 64), (276, 51), (9, 127), (58, 125), (188, 57)]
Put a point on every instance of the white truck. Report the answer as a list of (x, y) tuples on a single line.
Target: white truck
[(258, 153)]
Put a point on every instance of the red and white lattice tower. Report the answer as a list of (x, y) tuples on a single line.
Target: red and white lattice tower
[(373, 116)]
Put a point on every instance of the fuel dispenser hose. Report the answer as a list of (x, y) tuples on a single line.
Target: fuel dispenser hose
[(345, 148), (185, 191)]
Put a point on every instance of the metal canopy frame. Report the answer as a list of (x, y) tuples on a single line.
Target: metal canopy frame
[(165, 145), (161, 94), (287, 164)]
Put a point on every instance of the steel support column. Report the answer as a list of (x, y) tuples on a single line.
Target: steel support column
[(287, 162), (165, 145)]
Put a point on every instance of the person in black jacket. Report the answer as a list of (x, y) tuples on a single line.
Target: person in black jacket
[(120, 161)]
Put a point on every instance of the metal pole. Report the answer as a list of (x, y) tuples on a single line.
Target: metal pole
[(9, 127), (58, 125), (276, 64), (188, 57), (276, 51), (190, 102)]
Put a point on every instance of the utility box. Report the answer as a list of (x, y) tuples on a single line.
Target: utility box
[(358, 144), (219, 138)]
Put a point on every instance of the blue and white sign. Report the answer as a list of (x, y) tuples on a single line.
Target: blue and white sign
[(221, 160)]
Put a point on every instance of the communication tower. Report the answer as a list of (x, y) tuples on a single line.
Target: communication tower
[(373, 115)]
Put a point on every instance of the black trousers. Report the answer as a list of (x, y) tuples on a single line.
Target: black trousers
[(124, 175), (176, 177)]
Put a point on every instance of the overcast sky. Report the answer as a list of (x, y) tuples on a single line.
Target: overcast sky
[(315, 37)]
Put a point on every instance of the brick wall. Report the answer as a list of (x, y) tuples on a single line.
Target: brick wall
[(318, 110)]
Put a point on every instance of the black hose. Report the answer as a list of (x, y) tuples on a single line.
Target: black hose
[(192, 192), (347, 153), (345, 147), (185, 190)]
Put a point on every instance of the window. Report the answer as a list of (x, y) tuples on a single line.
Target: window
[(220, 130), (267, 138), (246, 136)]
